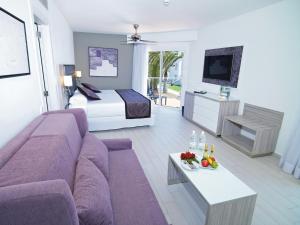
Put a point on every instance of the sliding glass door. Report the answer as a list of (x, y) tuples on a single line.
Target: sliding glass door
[(164, 77)]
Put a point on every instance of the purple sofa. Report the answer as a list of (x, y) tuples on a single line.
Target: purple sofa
[(43, 170)]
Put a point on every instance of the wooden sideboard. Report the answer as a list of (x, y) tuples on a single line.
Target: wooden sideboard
[(208, 110), (264, 124)]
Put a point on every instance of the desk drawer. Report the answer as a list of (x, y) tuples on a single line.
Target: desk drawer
[(210, 123), (207, 103), (207, 112)]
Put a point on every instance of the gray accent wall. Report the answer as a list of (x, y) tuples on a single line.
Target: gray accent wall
[(125, 59)]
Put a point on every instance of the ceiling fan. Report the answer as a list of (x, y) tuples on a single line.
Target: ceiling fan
[(137, 38)]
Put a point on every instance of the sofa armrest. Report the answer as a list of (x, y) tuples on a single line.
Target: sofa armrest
[(117, 144), (80, 117), (39, 203)]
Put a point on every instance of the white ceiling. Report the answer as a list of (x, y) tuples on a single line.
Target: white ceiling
[(117, 16)]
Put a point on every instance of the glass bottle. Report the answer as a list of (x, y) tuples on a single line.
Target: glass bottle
[(212, 151), (205, 154)]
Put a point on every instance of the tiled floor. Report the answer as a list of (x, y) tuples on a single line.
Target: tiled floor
[(278, 201)]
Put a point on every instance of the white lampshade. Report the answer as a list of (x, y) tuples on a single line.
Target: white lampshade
[(68, 82), (78, 73)]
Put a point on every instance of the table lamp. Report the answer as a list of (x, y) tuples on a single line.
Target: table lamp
[(68, 82)]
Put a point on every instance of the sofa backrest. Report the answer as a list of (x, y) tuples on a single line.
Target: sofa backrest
[(17, 142), (50, 152), (61, 124), (80, 117), (40, 159)]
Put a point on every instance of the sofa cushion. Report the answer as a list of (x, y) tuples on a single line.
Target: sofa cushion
[(61, 124), (133, 200), (39, 159), (17, 142), (91, 195), (94, 150)]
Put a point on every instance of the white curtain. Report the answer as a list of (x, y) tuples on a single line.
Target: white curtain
[(290, 161), (140, 68)]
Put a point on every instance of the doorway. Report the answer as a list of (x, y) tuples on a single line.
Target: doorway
[(164, 82), (44, 82), (50, 84)]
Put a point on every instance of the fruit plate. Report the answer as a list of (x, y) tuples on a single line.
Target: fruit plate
[(207, 168), (185, 165)]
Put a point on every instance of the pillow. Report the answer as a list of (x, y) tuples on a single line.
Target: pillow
[(90, 95), (78, 99), (91, 87), (92, 195), (96, 151)]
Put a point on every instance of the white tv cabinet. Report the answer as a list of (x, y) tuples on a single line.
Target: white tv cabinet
[(208, 110)]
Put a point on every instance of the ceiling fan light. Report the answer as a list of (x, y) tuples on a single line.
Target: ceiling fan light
[(166, 2)]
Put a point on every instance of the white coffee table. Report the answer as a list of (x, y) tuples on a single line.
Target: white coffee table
[(226, 200)]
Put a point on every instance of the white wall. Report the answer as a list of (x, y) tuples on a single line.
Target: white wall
[(62, 41), (20, 97), (172, 36), (270, 72)]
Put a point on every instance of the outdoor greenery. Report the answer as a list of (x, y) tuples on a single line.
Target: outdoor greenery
[(176, 88), (169, 59)]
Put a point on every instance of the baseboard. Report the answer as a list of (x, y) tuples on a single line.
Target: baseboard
[(276, 155)]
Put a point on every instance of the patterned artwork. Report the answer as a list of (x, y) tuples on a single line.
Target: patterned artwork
[(14, 60), (103, 62)]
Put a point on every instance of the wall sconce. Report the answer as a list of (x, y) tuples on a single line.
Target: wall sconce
[(68, 83), (78, 75)]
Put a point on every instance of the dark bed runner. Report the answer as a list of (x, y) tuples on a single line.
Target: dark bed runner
[(136, 105)]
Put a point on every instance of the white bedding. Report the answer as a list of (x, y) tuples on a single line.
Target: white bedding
[(110, 105), (108, 113)]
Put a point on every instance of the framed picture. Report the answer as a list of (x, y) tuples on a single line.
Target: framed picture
[(14, 60), (103, 62)]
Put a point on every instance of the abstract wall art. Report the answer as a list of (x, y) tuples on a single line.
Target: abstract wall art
[(14, 60), (103, 62)]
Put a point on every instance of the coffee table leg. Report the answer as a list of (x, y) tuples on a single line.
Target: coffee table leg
[(174, 174), (235, 212)]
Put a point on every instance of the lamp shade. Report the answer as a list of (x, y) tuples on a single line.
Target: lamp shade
[(78, 73), (68, 82)]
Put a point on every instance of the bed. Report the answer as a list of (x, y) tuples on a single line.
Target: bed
[(113, 111)]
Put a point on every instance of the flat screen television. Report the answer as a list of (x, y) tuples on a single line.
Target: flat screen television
[(218, 67), (222, 66)]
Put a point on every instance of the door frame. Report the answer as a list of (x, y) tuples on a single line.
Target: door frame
[(44, 82)]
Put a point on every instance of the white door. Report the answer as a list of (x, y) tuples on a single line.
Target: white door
[(49, 79)]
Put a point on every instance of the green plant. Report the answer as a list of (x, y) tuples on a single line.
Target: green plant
[(169, 59), (175, 88)]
